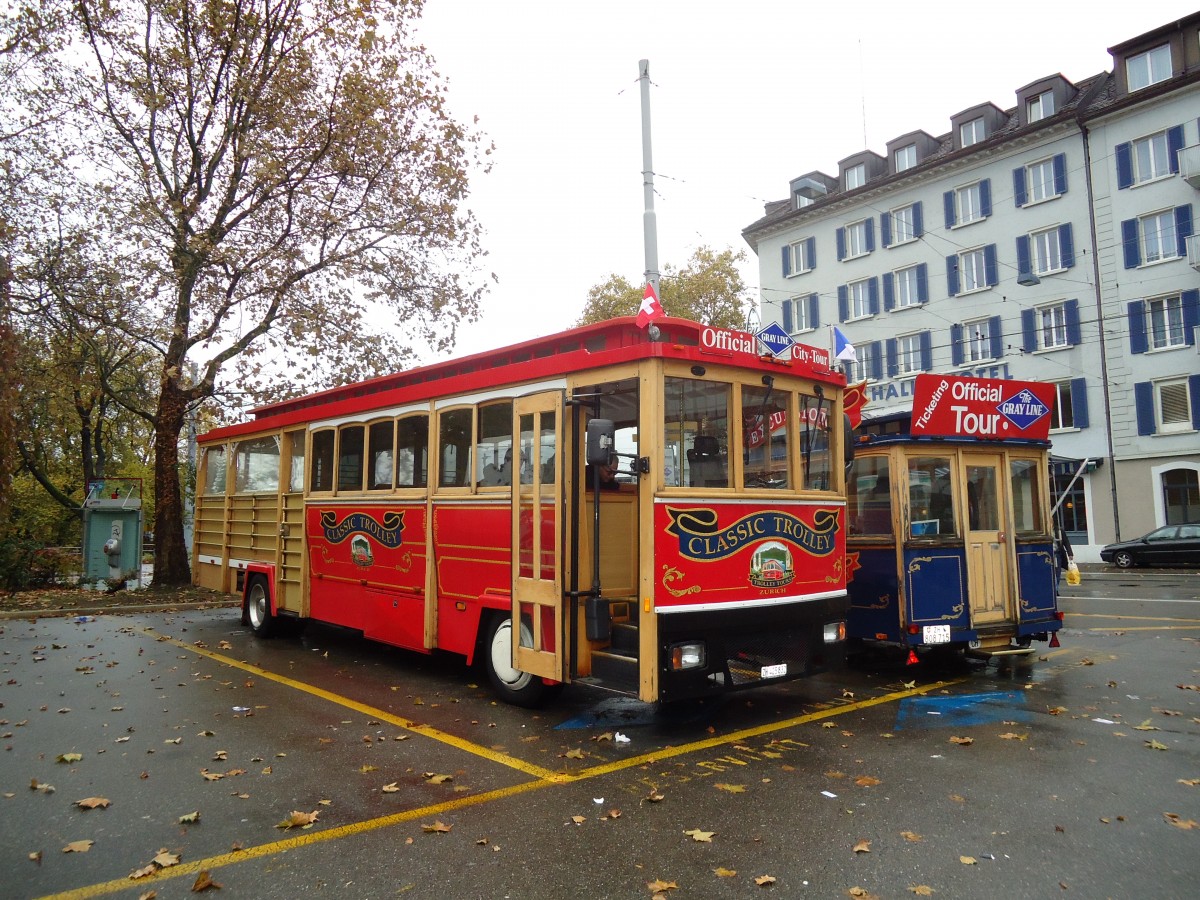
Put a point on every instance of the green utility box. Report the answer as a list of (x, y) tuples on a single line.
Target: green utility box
[(112, 532)]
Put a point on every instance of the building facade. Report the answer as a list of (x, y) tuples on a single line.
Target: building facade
[(1052, 241)]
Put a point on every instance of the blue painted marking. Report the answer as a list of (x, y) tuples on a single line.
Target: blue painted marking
[(962, 710), (629, 712)]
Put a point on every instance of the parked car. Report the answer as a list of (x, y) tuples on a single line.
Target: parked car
[(1174, 545)]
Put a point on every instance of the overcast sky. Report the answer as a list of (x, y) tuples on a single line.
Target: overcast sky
[(744, 97)]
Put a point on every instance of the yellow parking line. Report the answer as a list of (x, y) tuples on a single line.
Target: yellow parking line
[(544, 777), (428, 731), (292, 843)]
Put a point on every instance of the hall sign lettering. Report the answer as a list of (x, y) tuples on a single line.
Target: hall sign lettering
[(883, 391), (955, 406)]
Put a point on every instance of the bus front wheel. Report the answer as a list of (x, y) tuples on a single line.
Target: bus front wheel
[(258, 608), (513, 685)]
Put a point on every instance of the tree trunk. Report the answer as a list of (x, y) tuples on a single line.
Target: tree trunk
[(170, 554)]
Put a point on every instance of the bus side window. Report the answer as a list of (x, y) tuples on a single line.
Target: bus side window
[(412, 451), (322, 460), (493, 448), (870, 498), (350, 458), (931, 497), (381, 472), (454, 447)]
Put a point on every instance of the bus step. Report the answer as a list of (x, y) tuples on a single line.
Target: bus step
[(625, 638), (615, 669)]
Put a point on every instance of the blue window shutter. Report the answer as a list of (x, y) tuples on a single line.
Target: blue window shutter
[(995, 337), (1029, 330), (1194, 394), (1136, 312), (1143, 402), (892, 366), (922, 283), (1174, 145), (1124, 154), (1079, 407), (1074, 337), (885, 229), (985, 197), (918, 219), (1060, 173), (810, 251), (926, 352), (991, 271), (873, 296), (869, 227), (1019, 186), (1183, 227), (1129, 237), (1024, 261), (787, 260), (843, 303), (876, 360), (1191, 314), (840, 234), (956, 345), (948, 204), (889, 291), (951, 275), (814, 311), (788, 323), (1066, 245)]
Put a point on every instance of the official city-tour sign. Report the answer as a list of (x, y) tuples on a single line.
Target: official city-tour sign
[(955, 406)]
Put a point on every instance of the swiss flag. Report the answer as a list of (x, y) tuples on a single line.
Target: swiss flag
[(651, 309)]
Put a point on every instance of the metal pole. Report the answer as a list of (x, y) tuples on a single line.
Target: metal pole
[(649, 224)]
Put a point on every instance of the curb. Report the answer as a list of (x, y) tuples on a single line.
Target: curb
[(115, 610)]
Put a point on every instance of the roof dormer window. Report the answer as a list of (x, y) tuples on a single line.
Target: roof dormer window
[(1148, 68), (1039, 106), (856, 176), (905, 157)]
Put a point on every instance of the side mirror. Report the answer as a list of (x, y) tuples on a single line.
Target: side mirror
[(601, 439)]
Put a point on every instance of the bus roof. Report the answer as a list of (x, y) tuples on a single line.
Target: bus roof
[(578, 349)]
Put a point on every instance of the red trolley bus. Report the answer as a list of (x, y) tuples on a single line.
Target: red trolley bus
[(662, 518)]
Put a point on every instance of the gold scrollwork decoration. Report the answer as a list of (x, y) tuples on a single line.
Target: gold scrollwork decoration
[(671, 575)]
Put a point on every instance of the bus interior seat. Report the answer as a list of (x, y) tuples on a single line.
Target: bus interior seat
[(705, 464)]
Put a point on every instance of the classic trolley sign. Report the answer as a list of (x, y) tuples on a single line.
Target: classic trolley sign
[(951, 540), (453, 507)]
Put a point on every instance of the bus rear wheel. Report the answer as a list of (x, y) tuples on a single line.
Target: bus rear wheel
[(514, 686), (258, 608)]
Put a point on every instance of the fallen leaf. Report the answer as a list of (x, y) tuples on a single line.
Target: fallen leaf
[(704, 837), (204, 882), (578, 820), (1178, 822), (607, 736), (964, 741), (92, 803), (867, 781), (1057, 710), (764, 880), (69, 758), (577, 753), (437, 828), (911, 836), (731, 788), (1155, 745), (1013, 736), (177, 740), (36, 856), (78, 847), (368, 768), (1190, 782), (722, 872), (658, 885), (863, 846), (431, 778), (656, 797), (967, 860), (144, 872), (165, 859), (829, 724), (390, 788), (958, 798), (189, 818), (862, 893), (299, 820), (1146, 726), (921, 890)]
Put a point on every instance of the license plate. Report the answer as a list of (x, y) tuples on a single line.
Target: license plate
[(935, 634), (774, 671)]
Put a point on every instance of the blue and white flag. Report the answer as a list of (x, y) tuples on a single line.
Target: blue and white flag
[(842, 348)]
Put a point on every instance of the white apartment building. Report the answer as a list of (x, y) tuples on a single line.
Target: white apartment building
[(1050, 241)]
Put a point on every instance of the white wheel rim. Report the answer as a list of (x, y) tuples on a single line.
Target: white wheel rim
[(502, 654)]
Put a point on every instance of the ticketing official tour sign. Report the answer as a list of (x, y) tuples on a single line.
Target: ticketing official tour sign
[(957, 406)]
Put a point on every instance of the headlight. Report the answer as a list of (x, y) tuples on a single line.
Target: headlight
[(688, 656), (834, 632)]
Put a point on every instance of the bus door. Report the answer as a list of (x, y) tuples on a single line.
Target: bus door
[(986, 538), (537, 535)]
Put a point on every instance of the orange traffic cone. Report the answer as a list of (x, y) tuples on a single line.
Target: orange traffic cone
[(1054, 639)]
